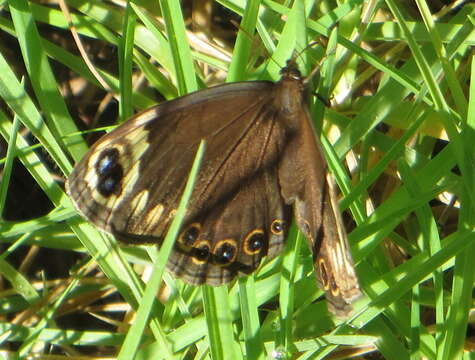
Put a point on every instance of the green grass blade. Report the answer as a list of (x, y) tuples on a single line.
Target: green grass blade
[(132, 341)]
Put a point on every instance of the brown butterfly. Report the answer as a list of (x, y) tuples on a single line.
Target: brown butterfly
[(263, 163)]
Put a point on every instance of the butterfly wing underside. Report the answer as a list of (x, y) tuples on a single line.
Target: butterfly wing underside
[(313, 197)]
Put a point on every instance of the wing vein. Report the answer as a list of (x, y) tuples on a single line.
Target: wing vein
[(244, 134)]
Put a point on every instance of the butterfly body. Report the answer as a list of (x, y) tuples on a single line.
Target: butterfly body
[(263, 164)]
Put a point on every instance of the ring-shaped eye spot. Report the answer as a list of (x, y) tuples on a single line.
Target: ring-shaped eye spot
[(110, 184), (254, 242), (225, 252), (107, 161), (306, 228), (277, 227), (200, 252), (334, 289), (190, 234), (323, 274), (109, 171)]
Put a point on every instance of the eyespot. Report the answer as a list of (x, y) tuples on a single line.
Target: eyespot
[(328, 280), (254, 242), (109, 171), (107, 160), (190, 235), (277, 227), (200, 252), (225, 252), (335, 290), (323, 273), (306, 228)]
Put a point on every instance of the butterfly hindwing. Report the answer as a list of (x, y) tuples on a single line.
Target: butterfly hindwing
[(313, 196), (233, 237)]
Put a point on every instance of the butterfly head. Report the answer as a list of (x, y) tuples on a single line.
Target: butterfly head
[(291, 71)]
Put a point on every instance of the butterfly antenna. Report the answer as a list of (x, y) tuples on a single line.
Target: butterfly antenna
[(312, 44), (256, 46), (314, 70)]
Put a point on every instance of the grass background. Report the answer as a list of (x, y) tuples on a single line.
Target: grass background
[(399, 78)]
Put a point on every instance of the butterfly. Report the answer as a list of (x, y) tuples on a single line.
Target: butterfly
[(262, 167)]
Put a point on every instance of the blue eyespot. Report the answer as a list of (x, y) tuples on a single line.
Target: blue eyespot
[(201, 253), (110, 172), (105, 164), (225, 253)]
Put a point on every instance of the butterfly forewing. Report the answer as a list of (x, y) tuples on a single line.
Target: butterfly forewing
[(142, 166), (262, 163)]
